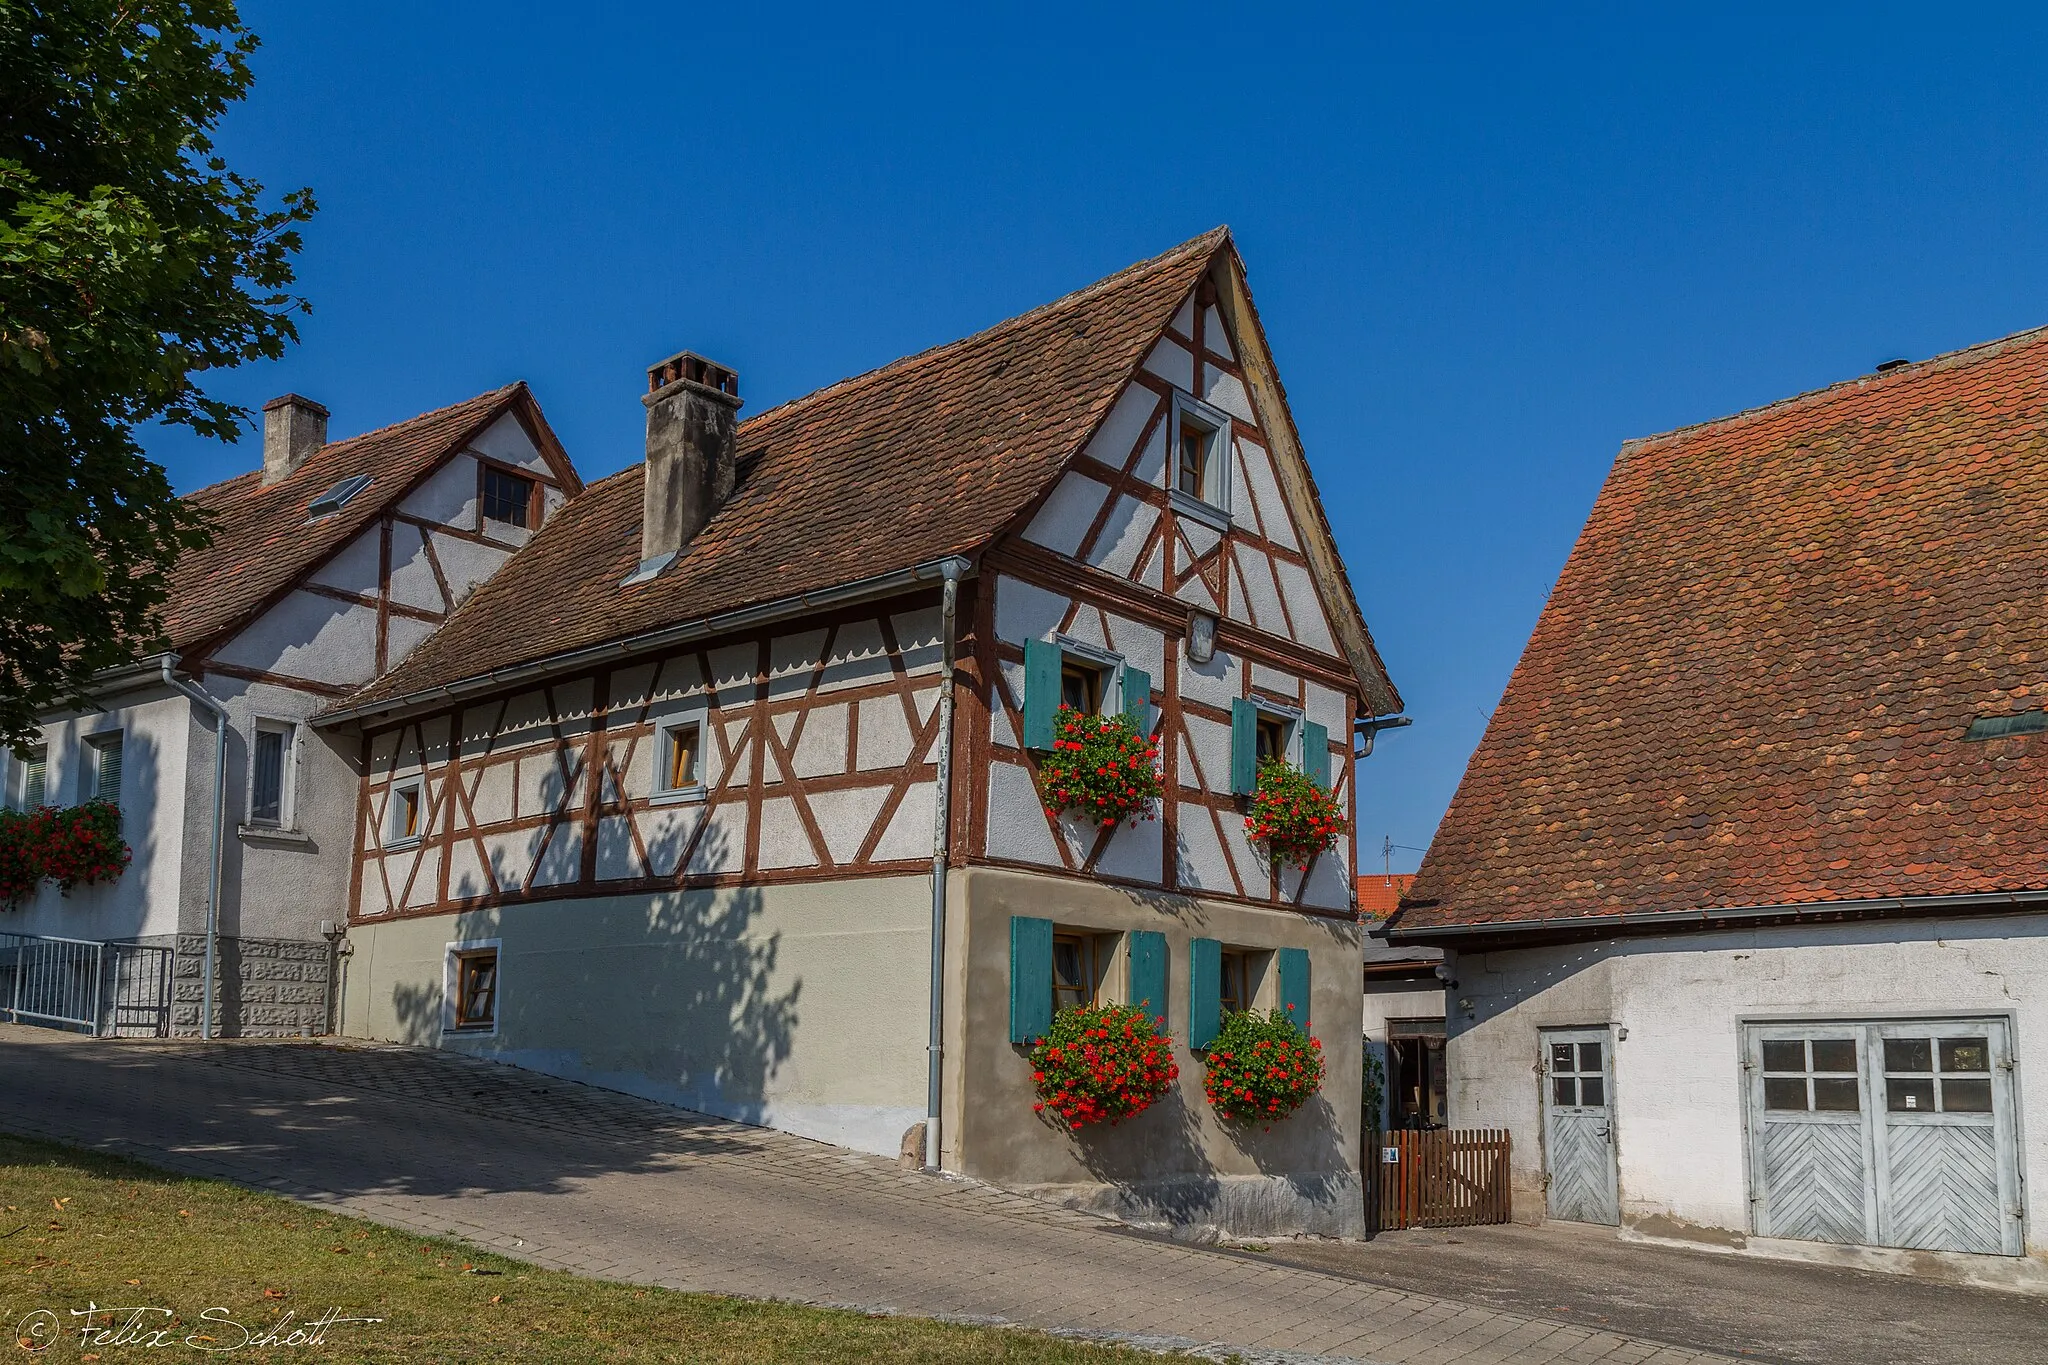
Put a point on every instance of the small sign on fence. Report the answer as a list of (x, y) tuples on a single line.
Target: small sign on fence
[(1390, 1156)]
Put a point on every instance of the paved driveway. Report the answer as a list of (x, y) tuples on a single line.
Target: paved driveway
[(581, 1179)]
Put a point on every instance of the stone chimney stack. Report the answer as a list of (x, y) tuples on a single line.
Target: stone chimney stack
[(692, 418), (293, 428)]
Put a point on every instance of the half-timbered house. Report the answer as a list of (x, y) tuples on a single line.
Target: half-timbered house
[(327, 567), (723, 791)]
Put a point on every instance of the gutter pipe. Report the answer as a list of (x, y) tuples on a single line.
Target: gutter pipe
[(220, 786), (1708, 919), (863, 589), (1370, 726), (942, 808)]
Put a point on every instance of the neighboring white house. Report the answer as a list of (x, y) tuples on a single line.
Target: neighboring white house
[(327, 567), (662, 806), (1743, 895)]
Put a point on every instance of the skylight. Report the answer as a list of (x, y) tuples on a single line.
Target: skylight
[(1997, 727), (337, 497)]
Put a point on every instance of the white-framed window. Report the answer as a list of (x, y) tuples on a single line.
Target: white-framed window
[(29, 783), (682, 758), (1198, 462), (470, 987), (1277, 733), (103, 768), (273, 771), (1083, 967), (1091, 678), (405, 813)]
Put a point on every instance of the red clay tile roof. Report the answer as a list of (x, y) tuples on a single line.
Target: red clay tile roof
[(262, 542), (1751, 684), (1380, 892), (924, 458)]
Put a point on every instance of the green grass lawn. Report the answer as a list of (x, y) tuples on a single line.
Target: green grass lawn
[(78, 1229)]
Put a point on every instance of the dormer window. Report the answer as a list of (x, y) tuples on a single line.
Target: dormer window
[(337, 497), (1200, 486), (508, 497)]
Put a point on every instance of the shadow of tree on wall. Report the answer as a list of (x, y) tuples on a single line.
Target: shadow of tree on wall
[(671, 995)]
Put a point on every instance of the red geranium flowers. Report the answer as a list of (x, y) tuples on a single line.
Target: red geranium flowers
[(1100, 1064), (70, 845), (1101, 767), (1293, 817), (1262, 1067)]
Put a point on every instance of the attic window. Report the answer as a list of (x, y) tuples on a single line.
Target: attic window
[(1997, 727), (337, 497)]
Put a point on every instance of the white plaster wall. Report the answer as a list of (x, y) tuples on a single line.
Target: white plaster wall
[(312, 637), (1679, 1121), (158, 746), (798, 1007), (1389, 1000)]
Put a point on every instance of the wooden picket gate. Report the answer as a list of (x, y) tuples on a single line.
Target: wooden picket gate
[(1443, 1179)]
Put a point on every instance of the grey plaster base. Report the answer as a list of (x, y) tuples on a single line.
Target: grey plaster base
[(1212, 1208)]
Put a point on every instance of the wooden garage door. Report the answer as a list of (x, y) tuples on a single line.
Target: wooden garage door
[(1884, 1134)]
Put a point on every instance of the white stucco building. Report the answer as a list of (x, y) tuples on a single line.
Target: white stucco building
[(1742, 895), (327, 567)]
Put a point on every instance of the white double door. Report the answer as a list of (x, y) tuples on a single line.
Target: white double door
[(1885, 1134)]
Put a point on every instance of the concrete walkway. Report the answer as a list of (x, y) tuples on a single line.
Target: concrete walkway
[(584, 1180)]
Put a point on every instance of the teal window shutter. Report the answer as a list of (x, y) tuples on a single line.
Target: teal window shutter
[(1041, 692), (1315, 753), (1138, 699), (1294, 984), (1030, 978), (1205, 992), (1148, 974), (1244, 747)]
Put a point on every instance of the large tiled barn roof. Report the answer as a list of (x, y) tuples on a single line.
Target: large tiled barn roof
[(1752, 684)]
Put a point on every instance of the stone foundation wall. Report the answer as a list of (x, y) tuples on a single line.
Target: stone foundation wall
[(267, 987)]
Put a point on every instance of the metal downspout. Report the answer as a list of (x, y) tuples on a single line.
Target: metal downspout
[(941, 805), (220, 812)]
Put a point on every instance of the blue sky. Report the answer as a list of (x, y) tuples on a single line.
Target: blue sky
[(1487, 244)]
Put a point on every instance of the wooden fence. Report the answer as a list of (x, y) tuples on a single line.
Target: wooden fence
[(1444, 1179)]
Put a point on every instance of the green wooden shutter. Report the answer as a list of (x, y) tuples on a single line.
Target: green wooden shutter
[(1294, 984), (1244, 747), (1205, 992), (1148, 974), (1030, 978), (1138, 699), (1041, 692), (1315, 753)]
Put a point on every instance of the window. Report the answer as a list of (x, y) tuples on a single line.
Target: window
[(1200, 482), (269, 774), (508, 497), (34, 788), (1081, 686), (1811, 1074), (403, 823), (1272, 737), (1236, 974), (103, 777), (1076, 968), (681, 758), (474, 988), (337, 497), (1937, 1075), (1576, 1076)]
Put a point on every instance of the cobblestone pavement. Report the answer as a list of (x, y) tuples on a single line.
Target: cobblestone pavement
[(584, 1180)]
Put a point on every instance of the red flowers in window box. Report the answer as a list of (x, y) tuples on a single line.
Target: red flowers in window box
[(1262, 1067), (1100, 1064), (71, 846), (1293, 817), (1100, 767)]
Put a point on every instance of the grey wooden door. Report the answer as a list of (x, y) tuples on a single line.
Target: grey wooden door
[(1885, 1134), (1578, 1126)]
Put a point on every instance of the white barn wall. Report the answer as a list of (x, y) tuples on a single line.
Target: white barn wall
[(1678, 1105)]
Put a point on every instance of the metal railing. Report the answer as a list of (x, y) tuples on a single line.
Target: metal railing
[(110, 990)]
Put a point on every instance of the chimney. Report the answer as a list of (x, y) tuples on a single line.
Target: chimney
[(692, 415), (293, 428)]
